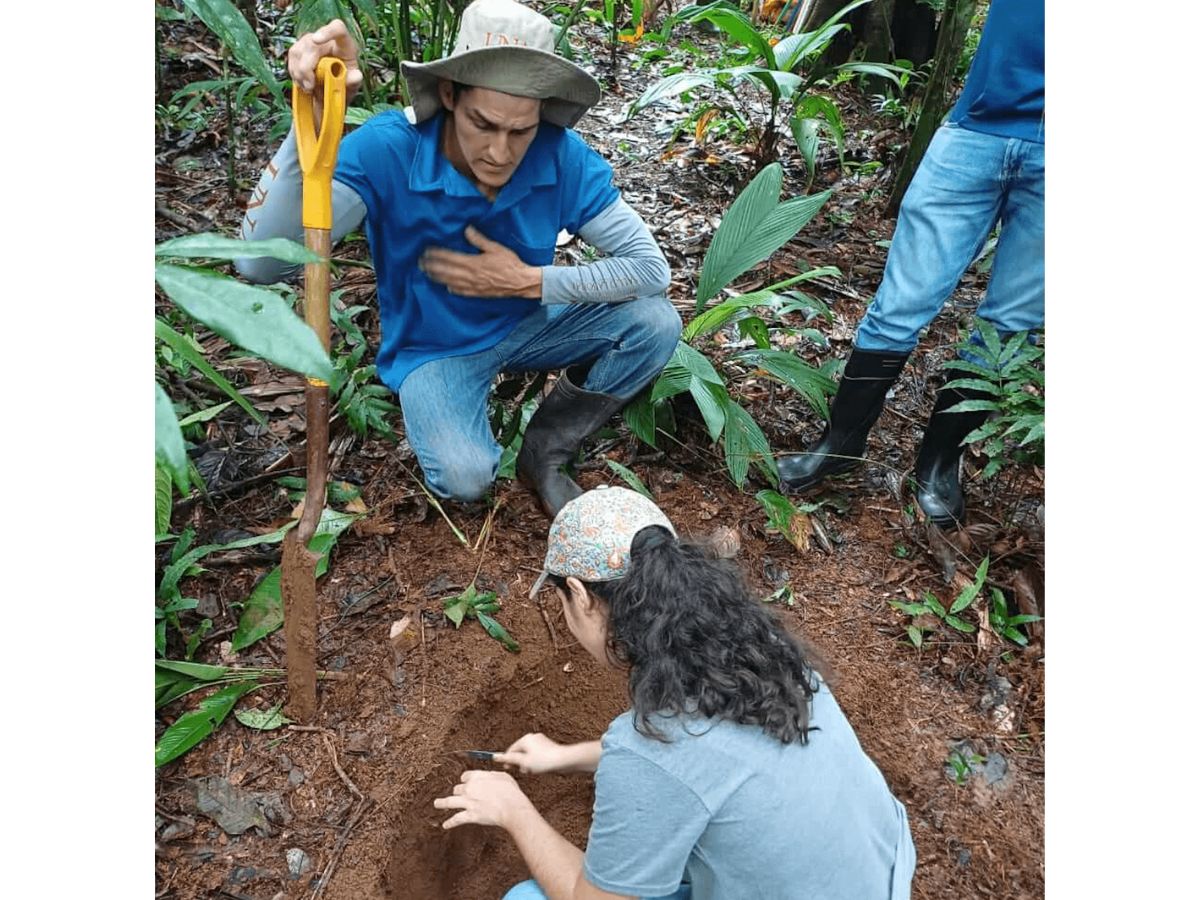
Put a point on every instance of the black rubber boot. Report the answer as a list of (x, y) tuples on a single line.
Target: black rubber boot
[(858, 402), (939, 490), (552, 438)]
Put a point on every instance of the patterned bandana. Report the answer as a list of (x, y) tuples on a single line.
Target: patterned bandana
[(590, 537)]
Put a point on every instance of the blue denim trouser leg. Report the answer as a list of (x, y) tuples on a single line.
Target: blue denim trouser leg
[(529, 890), (965, 183), (445, 400)]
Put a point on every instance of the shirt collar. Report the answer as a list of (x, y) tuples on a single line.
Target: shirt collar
[(431, 172)]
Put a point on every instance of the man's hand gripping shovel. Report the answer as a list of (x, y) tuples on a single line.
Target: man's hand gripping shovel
[(298, 582)]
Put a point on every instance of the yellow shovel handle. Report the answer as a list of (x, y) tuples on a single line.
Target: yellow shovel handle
[(318, 152)]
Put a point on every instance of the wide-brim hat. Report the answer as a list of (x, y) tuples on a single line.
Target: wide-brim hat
[(507, 47), (591, 536)]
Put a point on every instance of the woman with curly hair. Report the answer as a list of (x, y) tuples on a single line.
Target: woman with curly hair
[(734, 775)]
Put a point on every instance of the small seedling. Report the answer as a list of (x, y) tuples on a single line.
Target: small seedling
[(471, 604), (784, 595), (961, 765), (930, 605), (1003, 623), (901, 551)]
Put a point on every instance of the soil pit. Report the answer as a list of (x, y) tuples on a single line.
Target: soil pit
[(468, 862)]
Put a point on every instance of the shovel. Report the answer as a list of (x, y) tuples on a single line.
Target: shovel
[(298, 580)]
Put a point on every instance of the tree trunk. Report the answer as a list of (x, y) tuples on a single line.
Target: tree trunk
[(883, 31), (956, 18)]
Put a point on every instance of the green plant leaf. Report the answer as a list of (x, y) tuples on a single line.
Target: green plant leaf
[(814, 106), (496, 630), (194, 670), (227, 22), (914, 635), (714, 317), (194, 726), (756, 329), (263, 609), (216, 246), (933, 605), (671, 86), (968, 594), (807, 136), (456, 608), (975, 384), (755, 226), (205, 415), (880, 70), (738, 26), (913, 609), (162, 500), (1015, 636), (184, 347), (783, 365), (168, 439), (639, 416), (957, 623), (180, 567), (160, 637), (263, 719), (630, 478), (973, 406), (254, 318), (744, 442)]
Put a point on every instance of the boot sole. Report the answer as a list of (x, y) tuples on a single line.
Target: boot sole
[(807, 484)]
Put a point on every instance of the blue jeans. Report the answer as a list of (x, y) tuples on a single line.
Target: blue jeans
[(967, 181), (529, 890), (445, 400)]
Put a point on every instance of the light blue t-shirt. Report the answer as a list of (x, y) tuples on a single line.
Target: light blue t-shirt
[(416, 199), (742, 816)]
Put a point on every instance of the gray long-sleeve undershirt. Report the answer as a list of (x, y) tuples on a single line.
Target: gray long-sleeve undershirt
[(633, 267)]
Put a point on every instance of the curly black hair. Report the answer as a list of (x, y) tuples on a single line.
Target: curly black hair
[(697, 643)]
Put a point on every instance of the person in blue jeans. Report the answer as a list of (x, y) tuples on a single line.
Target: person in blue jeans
[(463, 204), (734, 776), (986, 164)]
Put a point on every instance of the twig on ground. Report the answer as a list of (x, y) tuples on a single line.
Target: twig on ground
[(337, 768), (549, 627), (436, 505), (343, 839)]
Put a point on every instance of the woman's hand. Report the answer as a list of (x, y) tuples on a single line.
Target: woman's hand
[(493, 272), (535, 754), (329, 40), (484, 798)]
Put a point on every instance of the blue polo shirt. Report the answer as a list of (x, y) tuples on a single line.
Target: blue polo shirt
[(1005, 93), (416, 199)]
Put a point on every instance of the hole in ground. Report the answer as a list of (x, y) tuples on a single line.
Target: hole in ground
[(473, 862)]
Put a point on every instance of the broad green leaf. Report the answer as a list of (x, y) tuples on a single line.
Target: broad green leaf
[(630, 478), (814, 41), (711, 399), (198, 671), (696, 363), (714, 317), (179, 568), (227, 22), (206, 414), (755, 328), (639, 416), (1015, 636), (162, 500), (968, 594), (913, 609), (755, 226), (184, 347), (216, 246), (263, 719), (1023, 619), (973, 406), (671, 86), (744, 441), (785, 366), (194, 726), (160, 637), (263, 609), (168, 439), (738, 26), (881, 70), (975, 384), (959, 624), (675, 381), (934, 605), (456, 608), (814, 106), (1037, 432), (780, 512), (806, 136), (914, 635), (780, 85), (497, 631), (254, 318)]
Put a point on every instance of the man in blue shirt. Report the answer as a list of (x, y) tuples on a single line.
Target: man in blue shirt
[(985, 164), (463, 205)]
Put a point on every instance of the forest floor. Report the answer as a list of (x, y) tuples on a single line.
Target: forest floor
[(350, 798)]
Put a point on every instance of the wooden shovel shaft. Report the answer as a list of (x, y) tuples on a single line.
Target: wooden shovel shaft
[(316, 393)]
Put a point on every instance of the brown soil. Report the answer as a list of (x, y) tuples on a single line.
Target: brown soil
[(395, 728)]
